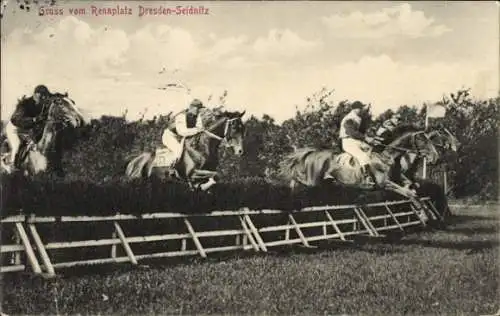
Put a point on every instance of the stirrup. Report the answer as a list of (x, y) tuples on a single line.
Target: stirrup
[(370, 181)]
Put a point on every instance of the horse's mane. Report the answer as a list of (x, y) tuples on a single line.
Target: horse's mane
[(210, 116), (399, 131), (61, 108), (22, 100)]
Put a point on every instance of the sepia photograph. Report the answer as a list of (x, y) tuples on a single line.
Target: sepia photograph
[(249, 157)]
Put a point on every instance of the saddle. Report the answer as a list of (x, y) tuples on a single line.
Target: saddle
[(165, 157)]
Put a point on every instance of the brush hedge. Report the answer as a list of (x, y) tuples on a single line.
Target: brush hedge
[(48, 197)]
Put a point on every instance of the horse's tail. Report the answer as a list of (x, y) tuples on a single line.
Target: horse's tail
[(290, 167), (135, 168)]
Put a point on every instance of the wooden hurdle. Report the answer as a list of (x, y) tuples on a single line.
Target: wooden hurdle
[(254, 230)]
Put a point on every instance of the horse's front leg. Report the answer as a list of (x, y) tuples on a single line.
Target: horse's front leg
[(204, 174), (409, 183), (394, 187), (191, 185)]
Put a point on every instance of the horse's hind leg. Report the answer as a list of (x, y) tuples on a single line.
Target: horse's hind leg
[(296, 187)]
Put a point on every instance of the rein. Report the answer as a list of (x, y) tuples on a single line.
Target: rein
[(214, 126), (408, 150)]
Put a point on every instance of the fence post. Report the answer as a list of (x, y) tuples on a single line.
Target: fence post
[(445, 178), (196, 241), (125, 243), (248, 234), (255, 232), (41, 249), (29, 250), (299, 231)]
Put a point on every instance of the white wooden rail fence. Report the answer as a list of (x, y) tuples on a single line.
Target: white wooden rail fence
[(254, 230)]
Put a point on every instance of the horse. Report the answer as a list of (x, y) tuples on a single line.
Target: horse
[(444, 140), (61, 113), (310, 167), (199, 158), (409, 162)]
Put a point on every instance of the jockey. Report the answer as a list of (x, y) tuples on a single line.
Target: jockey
[(25, 119), (353, 141), (388, 126), (187, 123)]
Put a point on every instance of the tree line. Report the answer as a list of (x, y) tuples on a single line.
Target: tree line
[(103, 148)]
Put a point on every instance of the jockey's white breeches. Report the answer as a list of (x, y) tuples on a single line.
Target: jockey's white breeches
[(13, 139), (170, 141), (355, 147)]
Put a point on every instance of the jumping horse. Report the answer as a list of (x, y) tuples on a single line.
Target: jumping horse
[(310, 167), (198, 161), (61, 113)]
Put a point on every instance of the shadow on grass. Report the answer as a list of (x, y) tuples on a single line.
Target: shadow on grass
[(458, 219), (383, 245), (471, 245), (471, 231), (118, 268), (357, 244)]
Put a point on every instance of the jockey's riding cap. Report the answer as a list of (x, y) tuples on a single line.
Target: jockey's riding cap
[(357, 105), (196, 103), (43, 90)]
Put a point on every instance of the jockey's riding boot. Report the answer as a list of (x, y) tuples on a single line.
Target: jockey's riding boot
[(17, 161)]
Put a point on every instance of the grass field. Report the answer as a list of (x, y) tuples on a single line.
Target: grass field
[(440, 272)]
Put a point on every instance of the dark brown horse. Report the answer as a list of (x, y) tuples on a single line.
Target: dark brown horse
[(199, 158), (61, 112)]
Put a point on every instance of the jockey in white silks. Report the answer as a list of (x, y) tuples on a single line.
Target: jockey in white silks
[(353, 141), (187, 123)]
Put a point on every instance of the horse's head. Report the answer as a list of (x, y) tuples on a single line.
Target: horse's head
[(63, 110), (226, 126), (61, 113), (444, 139), (425, 147), (414, 140), (235, 132)]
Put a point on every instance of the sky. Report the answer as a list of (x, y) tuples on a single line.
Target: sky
[(269, 56)]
